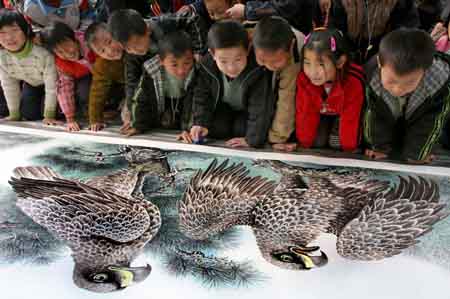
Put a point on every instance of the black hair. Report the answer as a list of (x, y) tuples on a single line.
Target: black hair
[(227, 34), (56, 33), (273, 33), (125, 23), (330, 43), (10, 17), (406, 50), (89, 34), (175, 43)]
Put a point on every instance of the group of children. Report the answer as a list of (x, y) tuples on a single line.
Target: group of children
[(249, 83)]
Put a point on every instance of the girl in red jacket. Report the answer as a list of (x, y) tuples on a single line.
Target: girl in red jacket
[(330, 93)]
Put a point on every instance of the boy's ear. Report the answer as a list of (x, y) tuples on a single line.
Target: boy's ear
[(341, 61)]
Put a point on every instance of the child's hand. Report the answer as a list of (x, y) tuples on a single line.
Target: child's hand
[(10, 118), (198, 133), (438, 31), (130, 131), (184, 9), (284, 147), (237, 142), (52, 122), (184, 137), (95, 127), (237, 11), (375, 155), (72, 126), (427, 160)]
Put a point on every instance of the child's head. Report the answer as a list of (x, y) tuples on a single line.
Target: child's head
[(403, 58), (129, 28), (14, 30), (217, 8), (273, 40), (60, 39), (229, 45), (175, 52), (324, 56), (100, 40)]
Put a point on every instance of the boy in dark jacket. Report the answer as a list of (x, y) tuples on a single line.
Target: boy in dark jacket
[(163, 97), (233, 96), (408, 97), (140, 37)]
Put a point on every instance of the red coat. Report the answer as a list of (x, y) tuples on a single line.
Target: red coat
[(345, 100)]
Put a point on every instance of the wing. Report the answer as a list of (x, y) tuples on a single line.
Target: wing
[(36, 172), (122, 182), (392, 221), (73, 210), (220, 197)]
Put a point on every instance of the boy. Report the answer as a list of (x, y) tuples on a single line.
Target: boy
[(164, 95), (74, 64), (278, 48), (21, 60), (408, 98), (139, 39), (233, 95), (107, 74)]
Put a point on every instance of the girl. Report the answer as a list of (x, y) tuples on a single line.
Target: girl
[(330, 93), (21, 60)]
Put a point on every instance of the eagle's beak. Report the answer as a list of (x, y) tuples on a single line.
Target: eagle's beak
[(126, 276), (310, 261)]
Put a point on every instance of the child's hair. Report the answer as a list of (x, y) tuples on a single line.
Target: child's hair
[(328, 42), (273, 33), (175, 43), (10, 17), (125, 23), (406, 50), (56, 33), (91, 31), (227, 34)]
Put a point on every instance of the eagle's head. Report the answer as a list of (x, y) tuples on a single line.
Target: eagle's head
[(297, 257)]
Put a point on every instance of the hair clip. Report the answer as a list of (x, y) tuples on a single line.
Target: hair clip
[(333, 44)]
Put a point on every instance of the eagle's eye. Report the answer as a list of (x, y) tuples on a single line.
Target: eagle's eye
[(286, 258), (100, 277)]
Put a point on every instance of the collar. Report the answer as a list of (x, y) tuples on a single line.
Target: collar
[(26, 50)]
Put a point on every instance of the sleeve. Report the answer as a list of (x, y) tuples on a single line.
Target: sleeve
[(350, 118), (11, 90), (423, 133), (189, 22), (100, 86), (65, 94), (50, 78), (133, 73), (143, 107), (405, 14), (260, 109), (202, 107), (306, 121), (379, 125), (283, 123)]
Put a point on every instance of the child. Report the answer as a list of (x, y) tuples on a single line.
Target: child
[(164, 95), (233, 95), (107, 74), (443, 43), (140, 41), (20, 60), (278, 47), (330, 93), (74, 64), (408, 97)]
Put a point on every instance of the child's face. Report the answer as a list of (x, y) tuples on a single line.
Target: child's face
[(12, 37), (68, 50), (318, 68), (231, 61), (217, 9), (180, 67), (397, 85), (138, 44), (273, 60), (105, 46)]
